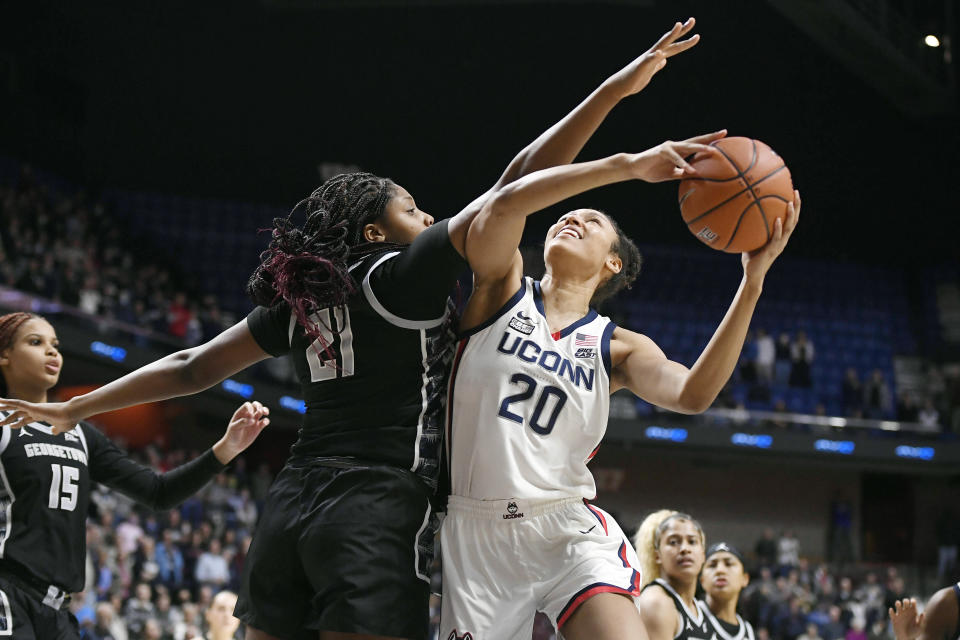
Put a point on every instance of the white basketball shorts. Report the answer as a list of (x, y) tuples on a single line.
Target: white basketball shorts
[(504, 560)]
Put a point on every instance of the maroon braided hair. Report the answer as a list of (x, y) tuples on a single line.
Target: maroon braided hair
[(308, 266), (10, 323)]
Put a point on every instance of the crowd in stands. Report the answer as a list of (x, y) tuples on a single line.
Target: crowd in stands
[(791, 599), (768, 366), (67, 248), (157, 576), (71, 249)]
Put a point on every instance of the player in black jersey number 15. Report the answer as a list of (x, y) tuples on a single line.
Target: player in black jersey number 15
[(46, 480)]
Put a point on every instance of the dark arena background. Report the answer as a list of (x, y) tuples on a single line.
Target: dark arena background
[(144, 148)]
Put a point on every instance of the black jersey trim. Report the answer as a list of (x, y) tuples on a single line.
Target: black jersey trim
[(6, 615), (512, 302), (393, 319), (7, 498), (422, 573), (741, 634), (451, 388), (681, 607), (424, 399), (6, 435)]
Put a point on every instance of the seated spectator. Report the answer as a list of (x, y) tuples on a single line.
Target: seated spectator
[(766, 549), (152, 630), (834, 629), (104, 623), (801, 361), (169, 561), (906, 407), (788, 552), (748, 359), (168, 616), (783, 357), (877, 400), (852, 394), (138, 610), (812, 633), (766, 357), (790, 621), (189, 627), (856, 631), (929, 416), (212, 567)]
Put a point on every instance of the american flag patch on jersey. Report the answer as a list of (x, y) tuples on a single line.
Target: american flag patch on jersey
[(584, 340)]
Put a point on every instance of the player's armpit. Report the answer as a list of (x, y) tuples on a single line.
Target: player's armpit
[(659, 614), (491, 294)]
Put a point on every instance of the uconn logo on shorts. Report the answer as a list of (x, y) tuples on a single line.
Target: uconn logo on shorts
[(466, 635), (513, 512)]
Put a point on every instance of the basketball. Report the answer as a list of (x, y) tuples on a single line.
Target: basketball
[(737, 196)]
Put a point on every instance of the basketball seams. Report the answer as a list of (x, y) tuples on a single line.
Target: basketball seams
[(750, 187), (734, 196), (744, 212)]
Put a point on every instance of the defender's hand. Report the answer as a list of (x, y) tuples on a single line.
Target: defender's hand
[(56, 414), (245, 425), (636, 75), (666, 160)]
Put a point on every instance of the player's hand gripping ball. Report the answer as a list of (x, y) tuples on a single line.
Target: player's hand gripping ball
[(734, 200)]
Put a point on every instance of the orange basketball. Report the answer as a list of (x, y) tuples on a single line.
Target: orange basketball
[(737, 196)]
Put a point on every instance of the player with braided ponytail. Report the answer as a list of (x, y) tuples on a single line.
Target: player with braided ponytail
[(357, 295)]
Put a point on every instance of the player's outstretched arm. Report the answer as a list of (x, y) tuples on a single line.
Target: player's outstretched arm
[(562, 142), (639, 365), (495, 233), (112, 467), (179, 374)]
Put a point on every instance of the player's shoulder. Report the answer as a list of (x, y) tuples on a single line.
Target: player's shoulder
[(656, 598), (944, 607), (624, 343), (658, 610)]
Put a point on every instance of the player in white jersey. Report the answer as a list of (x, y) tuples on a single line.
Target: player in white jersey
[(526, 412), (723, 578)]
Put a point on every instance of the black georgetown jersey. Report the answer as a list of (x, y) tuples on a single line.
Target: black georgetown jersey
[(723, 630), (692, 625), (45, 483), (382, 400)]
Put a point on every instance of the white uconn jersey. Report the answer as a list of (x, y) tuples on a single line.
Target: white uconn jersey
[(528, 408)]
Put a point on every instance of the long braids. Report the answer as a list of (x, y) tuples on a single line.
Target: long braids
[(308, 266), (10, 323)]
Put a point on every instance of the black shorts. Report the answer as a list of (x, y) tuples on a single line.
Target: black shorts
[(24, 617), (340, 549)]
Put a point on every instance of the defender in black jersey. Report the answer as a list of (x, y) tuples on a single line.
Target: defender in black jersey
[(357, 296), (46, 480), (723, 578), (939, 621), (670, 547)]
